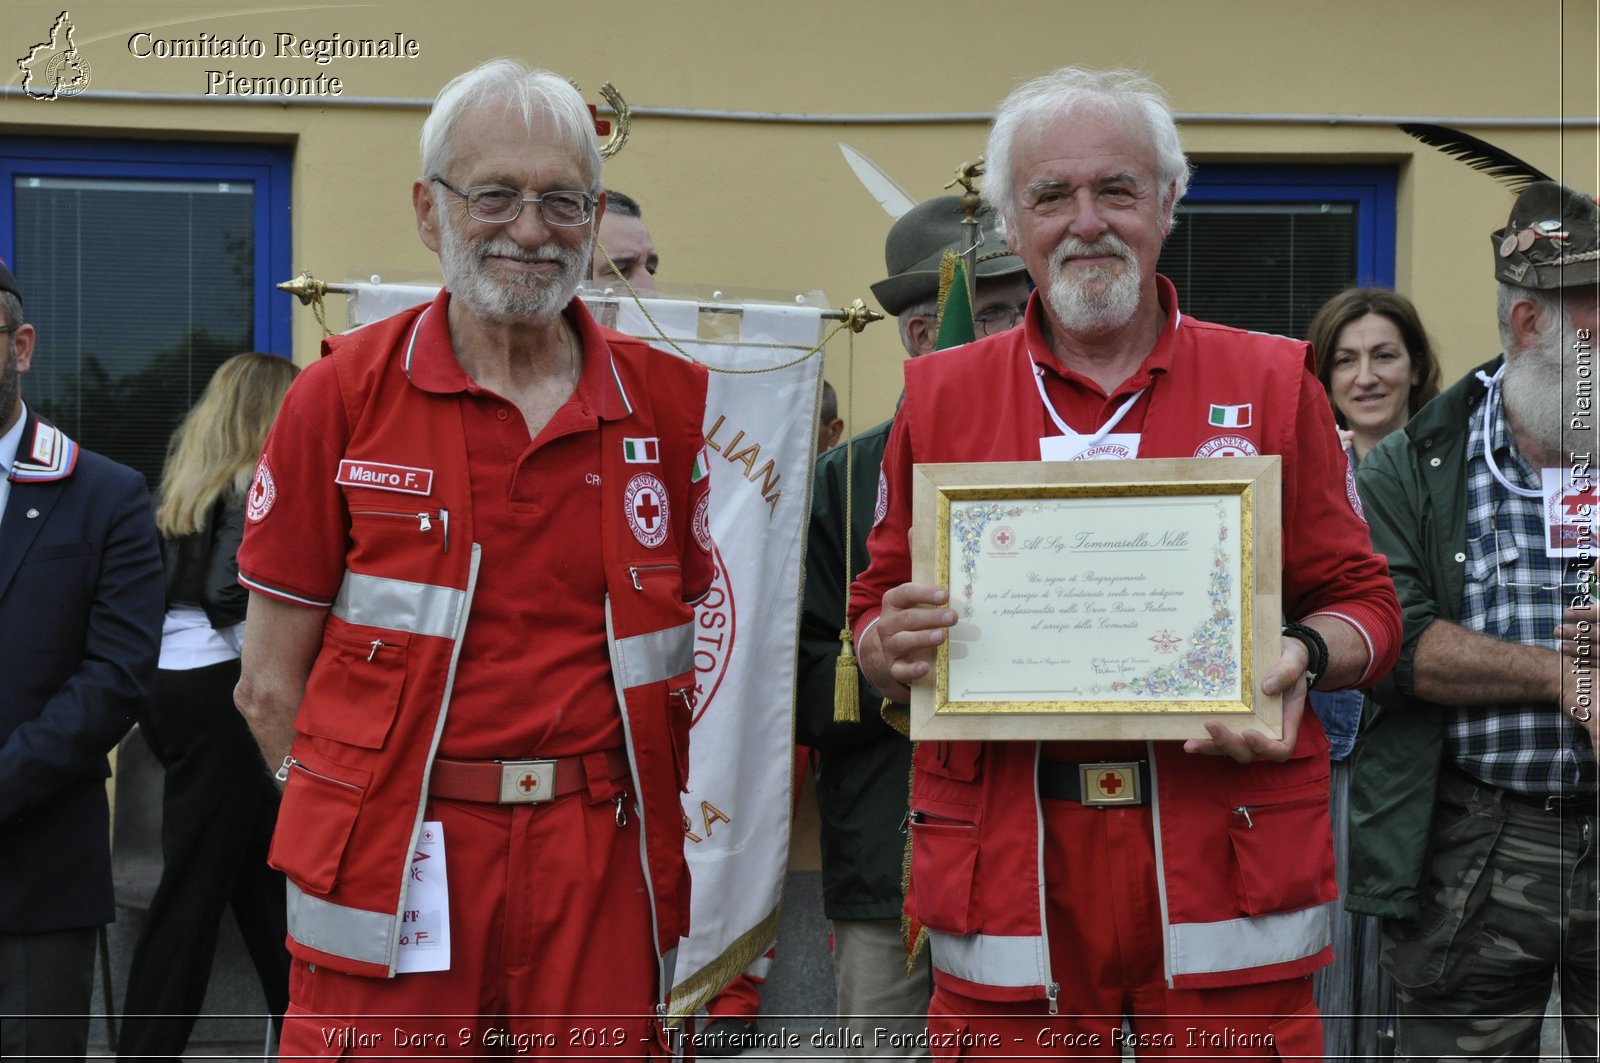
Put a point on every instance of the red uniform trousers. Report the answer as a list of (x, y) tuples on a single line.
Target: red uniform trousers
[(1105, 952), (552, 949)]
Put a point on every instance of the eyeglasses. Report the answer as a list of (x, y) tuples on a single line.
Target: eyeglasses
[(999, 318), (498, 205)]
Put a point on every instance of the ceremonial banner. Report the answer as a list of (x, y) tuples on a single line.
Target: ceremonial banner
[(761, 440)]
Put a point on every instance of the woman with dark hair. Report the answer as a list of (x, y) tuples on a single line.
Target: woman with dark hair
[(218, 804), (1374, 361), (1378, 368)]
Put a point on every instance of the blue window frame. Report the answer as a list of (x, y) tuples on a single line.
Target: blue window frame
[(1262, 247), (143, 265)]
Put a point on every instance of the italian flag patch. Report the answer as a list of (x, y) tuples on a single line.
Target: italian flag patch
[(1230, 416), (643, 451), (701, 467)]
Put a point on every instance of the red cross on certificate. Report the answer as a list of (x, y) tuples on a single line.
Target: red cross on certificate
[(1573, 504)]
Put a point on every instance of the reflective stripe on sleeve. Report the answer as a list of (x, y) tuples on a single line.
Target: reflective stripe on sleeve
[(418, 608), (653, 657), (353, 933)]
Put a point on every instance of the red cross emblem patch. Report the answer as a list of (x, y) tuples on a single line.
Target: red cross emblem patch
[(644, 502)]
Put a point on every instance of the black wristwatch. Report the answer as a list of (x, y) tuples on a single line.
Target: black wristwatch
[(1316, 649)]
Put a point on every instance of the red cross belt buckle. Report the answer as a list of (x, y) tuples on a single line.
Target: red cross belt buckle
[(527, 782), (1110, 782)]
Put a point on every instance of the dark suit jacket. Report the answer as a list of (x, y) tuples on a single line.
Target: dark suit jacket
[(81, 608)]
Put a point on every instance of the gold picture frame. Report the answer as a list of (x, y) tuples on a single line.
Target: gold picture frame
[(1100, 600)]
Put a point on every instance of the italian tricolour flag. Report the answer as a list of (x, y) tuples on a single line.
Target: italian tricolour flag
[(1230, 416), (641, 451)]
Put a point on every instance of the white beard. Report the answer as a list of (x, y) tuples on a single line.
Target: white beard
[(510, 296), (1095, 300), (1534, 387)]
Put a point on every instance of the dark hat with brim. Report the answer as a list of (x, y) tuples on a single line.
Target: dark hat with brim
[(8, 282), (1552, 240), (917, 243)]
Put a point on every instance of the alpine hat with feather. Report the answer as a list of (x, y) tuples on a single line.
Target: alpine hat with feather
[(1551, 241), (917, 243)]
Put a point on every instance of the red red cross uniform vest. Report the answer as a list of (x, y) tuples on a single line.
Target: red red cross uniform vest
[(379, 691), (1244, 896)]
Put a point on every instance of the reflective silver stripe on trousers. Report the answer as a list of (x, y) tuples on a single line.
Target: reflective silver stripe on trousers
[(353, 933), (654, 657), (419, 608), (1239, 944), (990, 959)]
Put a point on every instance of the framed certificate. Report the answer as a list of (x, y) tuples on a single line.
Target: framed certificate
[(1100, 599)]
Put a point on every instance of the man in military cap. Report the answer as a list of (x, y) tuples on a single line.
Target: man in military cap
[(81, 598), (865, 765), (1484, 503)]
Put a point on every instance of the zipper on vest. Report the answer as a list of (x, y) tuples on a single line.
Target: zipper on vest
[(634, 571), (282, 774), (917, 815), (425, 521), (1052, 993)]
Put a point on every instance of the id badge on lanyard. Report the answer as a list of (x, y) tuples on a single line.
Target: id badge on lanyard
[(1102, 445)]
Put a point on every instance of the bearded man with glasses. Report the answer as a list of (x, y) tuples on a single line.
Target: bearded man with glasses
[(1473, 807), (474, 544)]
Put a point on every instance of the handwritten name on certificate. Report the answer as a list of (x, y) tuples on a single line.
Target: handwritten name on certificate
[(1065, 599)]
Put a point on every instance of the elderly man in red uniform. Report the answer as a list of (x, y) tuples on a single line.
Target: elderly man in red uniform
[(473, 545), (1198, 913)]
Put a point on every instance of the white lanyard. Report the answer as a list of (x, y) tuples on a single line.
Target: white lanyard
[(1493, 383), (1104, 430)]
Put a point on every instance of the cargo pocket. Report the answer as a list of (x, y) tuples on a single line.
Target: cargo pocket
[(315, 817), (944, 866), (354, 690), (1268, 831)]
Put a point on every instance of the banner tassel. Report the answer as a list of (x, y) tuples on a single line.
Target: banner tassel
[(846, 685)]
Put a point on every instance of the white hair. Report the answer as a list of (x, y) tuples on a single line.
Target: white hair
[(1550, 305), (1057, 94), (522, 91), (928, 308)]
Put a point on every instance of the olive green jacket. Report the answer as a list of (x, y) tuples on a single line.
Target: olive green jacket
[(1413, 486)]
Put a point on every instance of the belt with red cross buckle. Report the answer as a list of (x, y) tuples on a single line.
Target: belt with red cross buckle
[(520, 782), (1097, 783)]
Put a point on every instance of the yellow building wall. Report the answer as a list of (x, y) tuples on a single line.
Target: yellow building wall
[(769, 206)]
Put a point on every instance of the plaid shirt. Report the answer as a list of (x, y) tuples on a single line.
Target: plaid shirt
[(1514, 593)]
